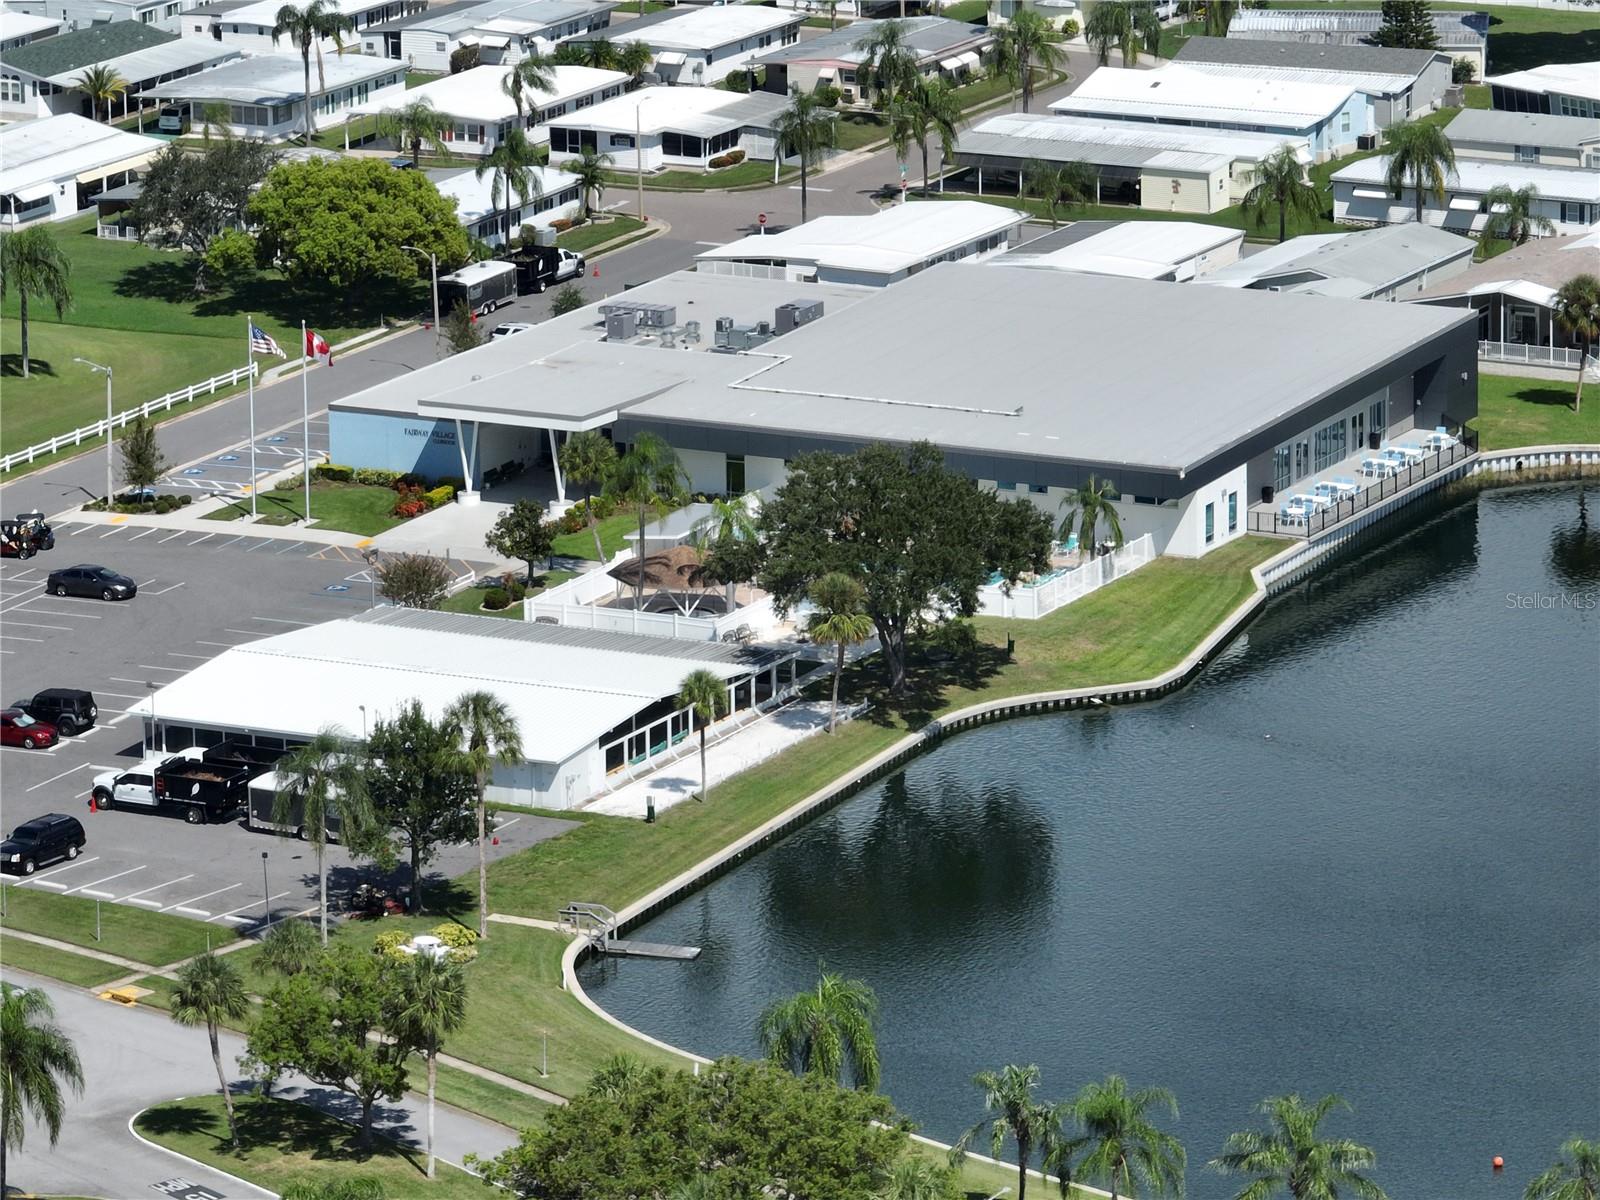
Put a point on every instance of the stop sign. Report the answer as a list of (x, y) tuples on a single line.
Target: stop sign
[(761, 219)]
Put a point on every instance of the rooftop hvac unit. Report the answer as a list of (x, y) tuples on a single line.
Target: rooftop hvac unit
[(1366, 141), (731, 338), (795, 314), (621, 326), (648, 316)]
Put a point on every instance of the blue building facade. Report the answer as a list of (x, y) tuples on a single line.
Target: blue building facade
[(397, 443)]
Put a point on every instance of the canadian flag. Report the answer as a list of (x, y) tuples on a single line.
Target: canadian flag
[(317, 347)]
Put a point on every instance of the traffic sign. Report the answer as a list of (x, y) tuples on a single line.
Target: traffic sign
[(761, 218)]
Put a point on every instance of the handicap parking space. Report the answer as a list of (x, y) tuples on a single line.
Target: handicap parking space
[(230, 471)]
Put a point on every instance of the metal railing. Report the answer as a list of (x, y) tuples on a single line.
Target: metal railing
[(1535, 356), (1275, 522), (86, 433)]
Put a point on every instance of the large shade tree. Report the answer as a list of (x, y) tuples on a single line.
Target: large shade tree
[(1577, 311), (307, 27), (32, 264), (1420, 156), (919, 536), (807, 129), (825, 1031), (211, 992), (320, 784), (1291, 1156), (1010, 1109), (192, 196), (488, 734), (1278, 184), (1116, 1143), (38, 1064)]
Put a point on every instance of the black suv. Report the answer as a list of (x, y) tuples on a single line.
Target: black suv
[(85, 579), (70, 710), (41, 840)]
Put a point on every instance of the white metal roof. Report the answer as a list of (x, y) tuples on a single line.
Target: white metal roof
[(694, 110), (155, 61), (265, 12), (271, 78), (477, 94), (1132, 249), (1178, 92), (18, 24), (709, 27), (1358, 263), (1564, 79), (474, 201), (37, 153), (1374, 82), (564, 691), (1120, 143), (891, 240), (1499, 127), (1476, 176)]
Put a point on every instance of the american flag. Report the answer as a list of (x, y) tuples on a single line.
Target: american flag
[(260, 343)]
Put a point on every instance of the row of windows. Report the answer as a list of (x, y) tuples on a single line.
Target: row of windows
[(683, 145), (542, 204), (1233, 517), (1294, 460), (1010, 485), (1577, 106)]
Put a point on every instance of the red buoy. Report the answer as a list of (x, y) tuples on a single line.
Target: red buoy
[(1498, 1162)]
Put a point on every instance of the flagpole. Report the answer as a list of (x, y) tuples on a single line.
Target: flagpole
[(305, 418), (249, 323)]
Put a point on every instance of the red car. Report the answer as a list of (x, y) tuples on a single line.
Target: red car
[(17, 728)]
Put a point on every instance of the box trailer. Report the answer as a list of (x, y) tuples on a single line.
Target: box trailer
[(481, 286), (261, 811)]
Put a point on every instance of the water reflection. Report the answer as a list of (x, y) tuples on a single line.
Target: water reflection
[(1575, 548)]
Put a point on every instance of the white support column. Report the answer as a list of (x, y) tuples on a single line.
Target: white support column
[(468, 494), (555, 462)]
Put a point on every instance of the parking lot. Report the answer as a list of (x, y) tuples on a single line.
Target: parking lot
[(200, 593), (229, 470)]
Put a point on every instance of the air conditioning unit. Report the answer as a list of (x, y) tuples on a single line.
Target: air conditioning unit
[(1367, 141), (621, 326), (795, 314), (646, 315)]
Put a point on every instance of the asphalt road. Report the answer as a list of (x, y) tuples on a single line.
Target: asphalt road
[(135, 1057), (200, 592)]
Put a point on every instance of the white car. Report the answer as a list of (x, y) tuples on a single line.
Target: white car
[(506, 330)]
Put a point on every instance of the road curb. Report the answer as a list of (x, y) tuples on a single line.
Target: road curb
[(254, 1187)]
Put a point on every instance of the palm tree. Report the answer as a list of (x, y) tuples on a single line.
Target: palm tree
[(590, 168), (535, 73), (913, 1178), (705, 695), (1118, 1144), (1109, 25), (1009, 1108), (887, 63), (306, 27), (599, 54), (36, 1058), (323, 781), (820, 1031), (432, 1005), (648, 479), (1060, 183), (1512, 217), (1577, 311), (289, 947), (1576, 1175), (840, 620), (489, 734), (730, 518), (1027, 39), (925, 109), (33, 265), (633, 60), (588, 458), (102, 85), (210, 991), (1147, 26), (1089, 505), (415, 125), (514, 163), (1279, 181), (807, 129), (617, 1077), (1419, 153), (215, 112), (1288, 1156)]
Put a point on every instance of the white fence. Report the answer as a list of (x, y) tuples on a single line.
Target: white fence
[(120, 420), (1030, 601), (573, 603), (1537, 356)]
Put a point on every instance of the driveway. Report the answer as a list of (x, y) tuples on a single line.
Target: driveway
[(135, 1057)]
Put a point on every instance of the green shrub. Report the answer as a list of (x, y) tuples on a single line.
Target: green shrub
[(333, 472), (454, 481), (443, 494), (376, 476), (455, 935), (1070, 29), (827, 95), (463, 954), (496, 598), (735, 157), (185, 500), (389, 942)]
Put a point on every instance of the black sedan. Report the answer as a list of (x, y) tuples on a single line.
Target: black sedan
[(88, 580)]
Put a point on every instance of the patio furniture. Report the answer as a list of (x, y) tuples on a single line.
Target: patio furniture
[(1377, 468)]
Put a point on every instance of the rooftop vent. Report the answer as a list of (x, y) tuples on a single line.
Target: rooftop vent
[(647, 315)]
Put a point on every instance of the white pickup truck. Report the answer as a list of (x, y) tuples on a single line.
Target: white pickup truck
[(135, 787)]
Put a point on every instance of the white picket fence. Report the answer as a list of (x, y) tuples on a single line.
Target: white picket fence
[(576, 603), (1030, 601), (77, 437)]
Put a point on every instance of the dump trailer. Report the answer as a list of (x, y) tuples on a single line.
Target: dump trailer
[(261, 812)]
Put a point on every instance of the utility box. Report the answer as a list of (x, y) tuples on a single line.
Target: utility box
[(621, 326), (795, 314)]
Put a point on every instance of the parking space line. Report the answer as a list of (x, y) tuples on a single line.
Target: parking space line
[(224, 645), (201, 896), (47, 883), (229, 542), (292, 546), (92, 892), (146, 903), (153, 667), (50, 612), (109, 532), (235, 920), (122, 695), (193, 912), (40, 625), (169, 588), (201, 657), (78, 530), (170, 536), (17, 637), (227, 916), (134, 896), (146, 533), (254, 633), (118, 720), (107, 879), (282, 621), (53, 778), (197, 541), (78, 862)]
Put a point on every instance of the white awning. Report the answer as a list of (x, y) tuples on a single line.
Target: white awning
[(1464, 204), (669, 59), (951, 64), (971, 59), (828, 73), (35, 191), (1369, 194), (126, 164)]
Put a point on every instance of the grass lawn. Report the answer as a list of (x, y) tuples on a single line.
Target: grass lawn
[(1477, 95), (858, 129), (353, 507), (285, 1143), (146, 937), (749, 173), (61, 395), (1534, 412), (980, 1180), (593, 232), (971, 12), (613, 532), (418, 78), (19, 955)]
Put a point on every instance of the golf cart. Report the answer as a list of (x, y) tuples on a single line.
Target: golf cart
[(39, 535)]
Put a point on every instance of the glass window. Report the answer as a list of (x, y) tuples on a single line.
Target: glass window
[(1211, 523), (1377, 416), (1039, 489), (1005, 485), (736, 475), (1233, 512), (622, 139), (1281, 477)]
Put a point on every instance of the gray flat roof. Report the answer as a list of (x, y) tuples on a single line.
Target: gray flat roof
[(1547, 261), (1453, 28), (930, 37), (1525, 129), (1369, 258), (1312, 56)]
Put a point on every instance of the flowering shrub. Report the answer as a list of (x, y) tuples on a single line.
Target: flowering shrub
[(388, 943), (455, 936)]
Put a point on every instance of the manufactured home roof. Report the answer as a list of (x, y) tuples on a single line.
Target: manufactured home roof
[(19, 24), (1522, 129), (479, 94), (33, 154), (1117, 143), (699, 111), (1372, 69), (702, 28), (1454, 29), (566, 687), (270, 78), (184, 54), (474, 194), (929, 37), (1544, 262), (265, 13), (1131, 249), (1565, 79), (885, 242), (85, 47), (1476, 176), (471, 14), (1361, 262), (1175, 92)]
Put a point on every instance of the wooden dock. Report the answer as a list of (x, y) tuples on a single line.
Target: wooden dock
[(647, 949)]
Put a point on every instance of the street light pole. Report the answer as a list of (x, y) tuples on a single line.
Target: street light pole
[(94, 366), (266, 892), (433, 268)]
